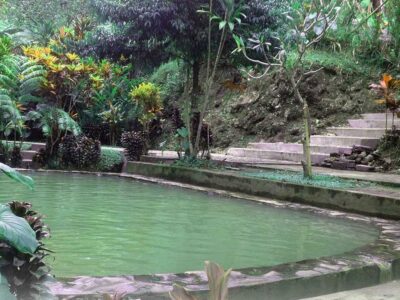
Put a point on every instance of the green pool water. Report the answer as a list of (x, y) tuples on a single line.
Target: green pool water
[(114, 226)]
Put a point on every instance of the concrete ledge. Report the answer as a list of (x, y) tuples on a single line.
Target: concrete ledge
[(375, 263), (345, 200)]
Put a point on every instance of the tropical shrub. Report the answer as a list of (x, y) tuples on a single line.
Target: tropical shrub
[(21, 248), (110, 161), (26, 272), (389, 89), (79, 152), (55, 123), (170, 77), (20, 81), (147, 97), (134, 143)]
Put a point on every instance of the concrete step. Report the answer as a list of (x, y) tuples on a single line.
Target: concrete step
[(376, 116), (316, 158), (37, 146), (296, 147), (28, 154), (26, 163), (357, 132), (156, 156), (348, 141), (365, 123)]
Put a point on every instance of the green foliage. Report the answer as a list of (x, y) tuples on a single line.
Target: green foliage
[(111, 160), (147, 97), (389, 149), (26, 273), (60, 12), (170, 77), (195, 163), (318, 180), (16, 231), (54, 122), (182, 141), (16, 176), (340, 62), (20, 80), (5, 45)]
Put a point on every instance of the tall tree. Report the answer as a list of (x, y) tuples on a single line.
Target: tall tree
[(161, 29)]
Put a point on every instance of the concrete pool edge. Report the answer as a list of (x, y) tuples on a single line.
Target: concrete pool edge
[(345, 200), (370, 265)]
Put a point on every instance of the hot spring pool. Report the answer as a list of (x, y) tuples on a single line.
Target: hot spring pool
[(112, 226)]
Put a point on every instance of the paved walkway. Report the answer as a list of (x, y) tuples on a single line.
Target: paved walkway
[(388, 291), (386, 178), (389, 178)]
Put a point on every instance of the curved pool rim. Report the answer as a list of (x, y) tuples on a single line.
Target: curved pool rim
[(365, 266)]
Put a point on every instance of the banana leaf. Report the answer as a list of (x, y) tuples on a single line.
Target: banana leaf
[(13, 174)]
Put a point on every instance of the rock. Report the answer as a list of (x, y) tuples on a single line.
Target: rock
[(343, 164), (295, 131), (369, 158), (363, 168), (363, 154)]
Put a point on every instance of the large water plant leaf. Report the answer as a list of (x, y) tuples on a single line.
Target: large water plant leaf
[(13, 174), (16, 231)]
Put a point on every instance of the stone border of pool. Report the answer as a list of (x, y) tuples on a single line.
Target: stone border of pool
[(366, 266), (346, 200)]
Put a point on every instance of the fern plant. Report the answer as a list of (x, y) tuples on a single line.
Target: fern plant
[(20, 81), (55, 124)]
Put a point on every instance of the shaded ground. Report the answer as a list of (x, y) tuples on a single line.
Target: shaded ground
[(267, 109)]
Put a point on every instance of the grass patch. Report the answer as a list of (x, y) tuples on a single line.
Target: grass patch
[(318, 180), (339, 61)]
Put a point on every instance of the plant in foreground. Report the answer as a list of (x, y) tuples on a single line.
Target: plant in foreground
[(21, 249), (217, 282)]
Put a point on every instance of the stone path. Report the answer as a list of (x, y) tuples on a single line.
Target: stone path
[(366, 131), (385, 178), (388, 291)]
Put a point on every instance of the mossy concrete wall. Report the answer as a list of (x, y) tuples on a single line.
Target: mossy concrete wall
[(346, 200)]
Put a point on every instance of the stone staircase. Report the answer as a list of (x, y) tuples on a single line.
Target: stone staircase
[(27, 155), (366, 131)]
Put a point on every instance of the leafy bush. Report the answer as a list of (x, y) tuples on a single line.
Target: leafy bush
[(26, 271), (170, 77), (133, 142), (22, 252), (111, 160), (80, 152), (147, 97)]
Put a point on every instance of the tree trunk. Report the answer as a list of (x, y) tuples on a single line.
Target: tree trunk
[(307, 163), (196, 77)]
